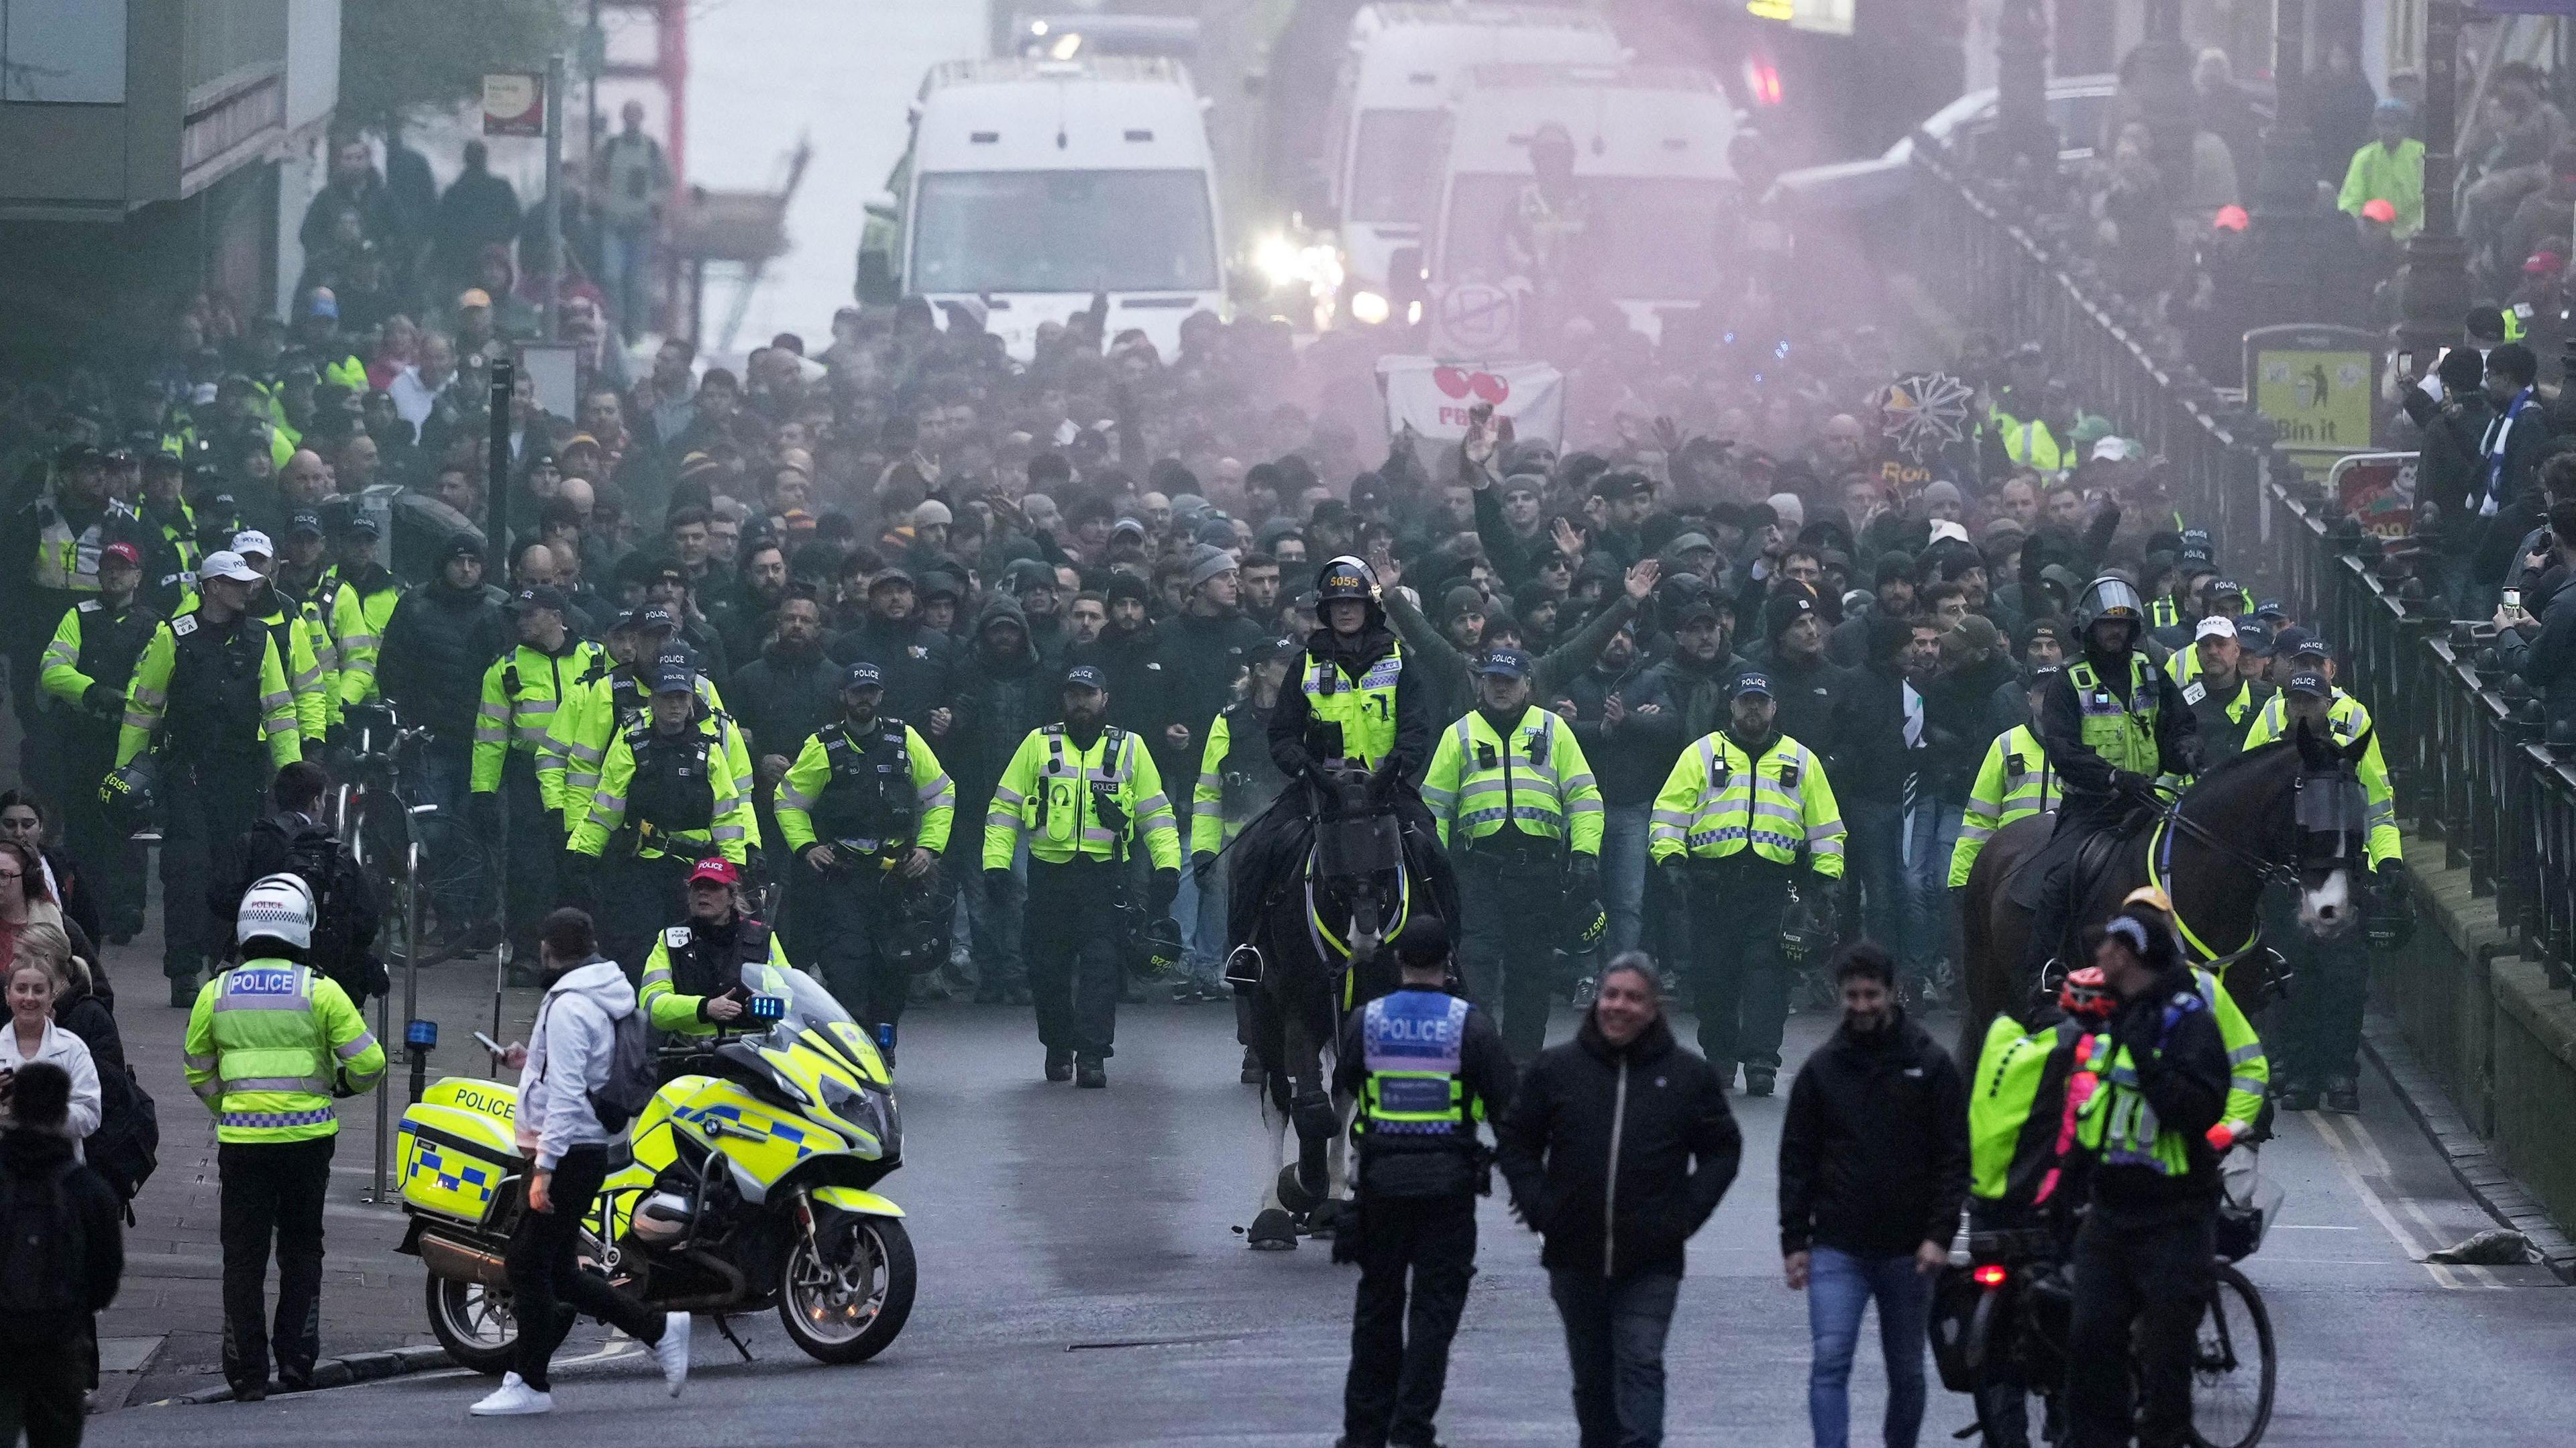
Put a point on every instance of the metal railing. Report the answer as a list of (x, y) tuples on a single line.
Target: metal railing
[(2465, 761)]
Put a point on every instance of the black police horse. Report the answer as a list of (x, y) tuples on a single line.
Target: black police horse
[(1323, 934), (2290, 812)]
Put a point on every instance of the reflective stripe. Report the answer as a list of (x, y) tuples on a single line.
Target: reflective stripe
[(491, 734), (278, 726), (1004, 794), (154, 697), (258, 1120), (939, 791), (299, 1001), (2251, 1050), (2255, 1084), (591, 754), (720, 833), (365, 1042), (138, 719), (277, 701), (196, 1062), (317, 1084), (790, 797)]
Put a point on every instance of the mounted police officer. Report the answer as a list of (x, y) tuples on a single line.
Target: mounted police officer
[(867, 808), (669, 795), (1085, 794), (2110, 724), (212, 688), (511, 792), (1515, 801), (1351, 698), (693, 979), (1742, 808), (87, 668), (1425, 1067)]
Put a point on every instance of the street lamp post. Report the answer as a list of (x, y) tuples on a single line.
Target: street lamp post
[(2437, 286), (2021, 88), (2160, 80), (2287, 226)]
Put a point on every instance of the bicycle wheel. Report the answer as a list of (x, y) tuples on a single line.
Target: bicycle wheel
[(2234, 1369)]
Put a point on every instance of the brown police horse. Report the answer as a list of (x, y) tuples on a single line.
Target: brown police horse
[(2290, 811)]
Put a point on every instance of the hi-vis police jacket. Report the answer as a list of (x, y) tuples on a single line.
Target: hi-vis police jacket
[(207, 670), (1054, 789), (2015, 783), (674, 767), (2345, 720), (589, 721), (836, 772), (523, 691), (1721, 800), (1537, 782), (269, 1043), (299, 652)]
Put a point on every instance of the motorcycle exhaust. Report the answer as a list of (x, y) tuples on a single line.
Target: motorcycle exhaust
[(456, 1261)]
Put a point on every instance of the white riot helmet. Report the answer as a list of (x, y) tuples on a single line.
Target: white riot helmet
[(278, 907)]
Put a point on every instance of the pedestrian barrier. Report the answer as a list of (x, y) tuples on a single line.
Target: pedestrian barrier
[(2463, 740)]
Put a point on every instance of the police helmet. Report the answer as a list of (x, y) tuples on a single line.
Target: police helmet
[(278, 907), (1585, 926), (2110, 597), (1161, 940), (1346, 577), (131, 796)]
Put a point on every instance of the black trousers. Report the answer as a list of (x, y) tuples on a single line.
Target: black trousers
[(545, 1270), (272, 1191), (1072, 942), (207, 808), (1400, 1340), (850, 915), (638, 897), (110, 863), (41, 1379), (2154, 1274), (536, 842), (1739, 987), (1514, 911)]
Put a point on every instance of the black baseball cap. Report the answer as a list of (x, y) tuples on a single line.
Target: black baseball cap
[(2309, 681), (543, 595), (1751, 681), (864, 675), (1510, 663), (1085, 676)]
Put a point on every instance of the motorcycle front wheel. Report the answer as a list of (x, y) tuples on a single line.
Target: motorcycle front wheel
[(475, 1323), (845, 1292)]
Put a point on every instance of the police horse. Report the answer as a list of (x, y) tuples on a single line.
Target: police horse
[(1323, 936), (2290, 812)]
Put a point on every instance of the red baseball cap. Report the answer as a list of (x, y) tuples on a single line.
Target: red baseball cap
[(2379, 209), (718, 869), (125, 553), (2232, 218)]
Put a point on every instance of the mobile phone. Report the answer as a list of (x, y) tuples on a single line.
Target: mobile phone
[(2513, 599), (2405, 364), (493, 1046)]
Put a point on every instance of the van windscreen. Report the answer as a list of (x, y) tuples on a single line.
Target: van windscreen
[(1395, 166), (1064, 231), (1645, 238)]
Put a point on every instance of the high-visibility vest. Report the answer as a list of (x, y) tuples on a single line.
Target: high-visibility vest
[(1364, 708), (269, 1043), (2121, 731), (1413, 1042), (1719, 801), (2119, 1125), (2346, 718), (522, 692), (871, 789), (1480, 783), (1077, 802), (2013, 784), (2249, 1068)]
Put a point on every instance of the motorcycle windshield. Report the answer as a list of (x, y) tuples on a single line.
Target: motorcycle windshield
[(809, 1006)]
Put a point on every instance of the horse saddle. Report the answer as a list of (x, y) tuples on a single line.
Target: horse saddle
[(2075, 859)]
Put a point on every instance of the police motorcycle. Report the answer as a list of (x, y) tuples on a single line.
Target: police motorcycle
[(745, 1184)]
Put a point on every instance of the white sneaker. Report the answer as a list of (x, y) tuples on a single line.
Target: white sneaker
[(672, 1352), (514, 1399)]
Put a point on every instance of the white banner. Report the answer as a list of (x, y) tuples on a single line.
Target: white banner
[(1434, 396)]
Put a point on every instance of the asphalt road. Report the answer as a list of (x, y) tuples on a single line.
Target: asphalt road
[(1082, 1283)]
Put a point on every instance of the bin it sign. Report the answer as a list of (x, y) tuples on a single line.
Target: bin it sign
[(2314, 385)]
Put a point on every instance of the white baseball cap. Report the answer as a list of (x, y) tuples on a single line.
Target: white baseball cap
[(251, 540), (2214, 627), (228, 564)]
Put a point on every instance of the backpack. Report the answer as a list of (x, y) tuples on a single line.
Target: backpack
[(343, 928), (44, 1249), (631, 1078), (127, 1145)]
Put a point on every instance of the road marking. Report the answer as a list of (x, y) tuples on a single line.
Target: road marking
[(2376, 1162), (2371, 1202)]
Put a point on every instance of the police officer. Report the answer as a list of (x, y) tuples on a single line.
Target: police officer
[(1238, 781), (210, 685), (351, 533), (2143, 1254), (2320, 1022), (2220, 691), (299, 647), (611, 700), (170, 547), (1515, 802), (669, 795), (86, 669), (1085, 794), (866, 808), (522, 692), (332, 614), (2110, 724), (2249, 1068), (1738, 812), (1425, 1067), (270, 1043), (693, 982), (2014, 783)]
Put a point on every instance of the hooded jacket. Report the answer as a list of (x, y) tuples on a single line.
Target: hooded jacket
[(1201, 659), (1615, 1154), (1000, 698), (34, 1157), (916, 661), (568, 1056), (437, 645), (1874, 1151)]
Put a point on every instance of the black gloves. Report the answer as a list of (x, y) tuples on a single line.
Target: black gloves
[(997, 879), (1381, 785), (1202, 865), (1160, 895), (105, 700), (1585, 875), (485, 812), (2129, 784), (574, 873)]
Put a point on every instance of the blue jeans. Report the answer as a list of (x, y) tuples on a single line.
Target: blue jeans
[(1614, 1337), (1623, 875), (1874, 851), (1930, 834), (1201, 911), (1839, 1286), (626, 264)]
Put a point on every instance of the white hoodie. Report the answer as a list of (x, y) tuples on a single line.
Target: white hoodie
[(568, 1057)]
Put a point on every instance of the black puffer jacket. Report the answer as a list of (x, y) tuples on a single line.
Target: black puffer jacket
[(784, 696), (1660, 1109), (436, 647), (1874, 1154), (1000, 698)]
